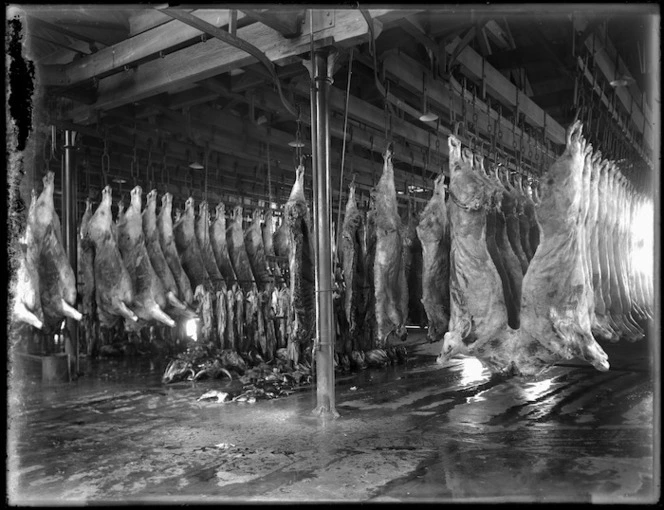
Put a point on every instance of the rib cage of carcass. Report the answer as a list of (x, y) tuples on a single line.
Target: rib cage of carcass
[(576, 285)]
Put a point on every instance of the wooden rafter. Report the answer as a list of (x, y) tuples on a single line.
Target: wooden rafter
[(288, 24), (503, 90), (213, 57), (149, 44)]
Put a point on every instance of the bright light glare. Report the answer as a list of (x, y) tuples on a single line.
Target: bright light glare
[(534, 390), (472, 370), (191, 329), (644, 245)]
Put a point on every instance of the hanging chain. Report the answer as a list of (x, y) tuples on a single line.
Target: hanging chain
[(148, 167), (134, 164), (474, 115), (449, 97), (463, 103), (373, 169), (86, 168), (269, 170), (207, 154), (105, 159), (47, 154), (298, 139)]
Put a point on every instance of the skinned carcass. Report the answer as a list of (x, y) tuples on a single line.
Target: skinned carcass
[(478, 314), (555, 323), (268, 243), (283, 317), (280, 240), (600, 328), (169, 249), (155, 253), (253, 242), (188, 248), (85, 263), (301, 268), (57, 281), (149, 295), (390, 287), (510, 210), (412, 261), (353, 270), (433, 232), (369, 251), (204, 242), (86, 280), (221, 317), (220, 246), (238, 251), (507, 264), (27, 301), (230, 337), (250, 340), (620, 304), (114, 291)]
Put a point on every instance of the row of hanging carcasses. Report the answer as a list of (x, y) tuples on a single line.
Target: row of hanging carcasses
[(519, 281), (409, 284), (146, 270)]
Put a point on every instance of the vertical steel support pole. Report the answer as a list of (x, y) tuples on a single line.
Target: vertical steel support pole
[(69, 235), (323, 192)]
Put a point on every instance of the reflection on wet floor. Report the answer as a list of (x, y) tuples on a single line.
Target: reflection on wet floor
[(417, 432)]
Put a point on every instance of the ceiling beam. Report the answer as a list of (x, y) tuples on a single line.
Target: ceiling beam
[(415, 29), (504, 91), (45, 25), (214, 57), (645, 152), (605, 57), (130, 51), (408, 73), (287, 22), (496, 35)]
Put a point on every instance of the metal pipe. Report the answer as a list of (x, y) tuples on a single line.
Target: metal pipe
[(69, 216), (325, 324)]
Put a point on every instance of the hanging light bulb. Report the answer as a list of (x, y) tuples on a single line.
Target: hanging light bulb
[(426, 116), (194, 165), (622, 81)]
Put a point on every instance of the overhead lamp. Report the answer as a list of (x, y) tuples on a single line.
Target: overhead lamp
[(119, 180), (426, 116), (622, 81), (262, 119), (194, 165), (297, 143)]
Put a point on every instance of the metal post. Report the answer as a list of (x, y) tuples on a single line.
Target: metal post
[(69, 235), (322, 190)]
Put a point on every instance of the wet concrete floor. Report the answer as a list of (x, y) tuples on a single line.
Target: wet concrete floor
[(412, 433)]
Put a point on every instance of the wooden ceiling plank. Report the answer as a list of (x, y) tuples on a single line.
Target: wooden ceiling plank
[(213, 57), (502, 89), (132, 50), (605, 57), (288, 24), (146, 19), (40, 23), (373, 116), (408, 73), (374, 140), (496, 35), (413, 28)]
